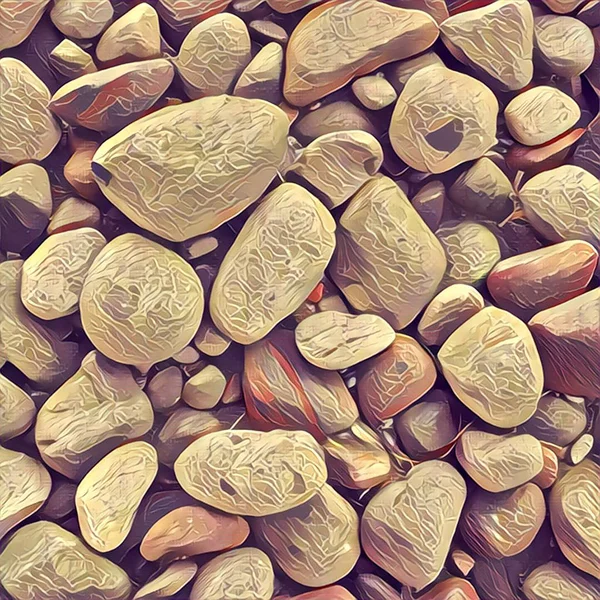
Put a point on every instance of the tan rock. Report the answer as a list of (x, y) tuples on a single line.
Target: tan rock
[(74, 213), (552, 579), (204, 389), (17, 20), (374, 92), (170, 581), (262, 77), (71, 60), (182, 16), (17, 410), (81, 18)]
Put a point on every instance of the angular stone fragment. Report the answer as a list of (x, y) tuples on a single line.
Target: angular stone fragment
[(246, 302), (452, 307), (315, 544), (52, 277), (191, 530), (17, 410), (187, 424), (499, 462), (213, 55), (112, 98), (25, 205), (209, 340), (442, 119), (563, 45), (492, 365), (496, 39), (429, 202), (24, 486), (71, 60), (540, 114), (17, 20), (141, 303), (556, 420), (575, 516), (373, 587), (28, 130), (262, 77), (527, 283), (337, 164), (281, 389), (100, 407), (81, 18), (555, 581), (78, 172), (374, 92), (407, 527), (266, 473), (322, 57), (356, 458), (109, 495), (484, 189), (563, 204), (74, 213), (204, 389), (182, 16), (471, 250), (390, 382), (333, 340), (36, 350), (174, 578), (387, 261), (43, 561), (135, 36), (143, 177), (331, 118), (501, 525), (568, 338), (428, 426), (243, 574)]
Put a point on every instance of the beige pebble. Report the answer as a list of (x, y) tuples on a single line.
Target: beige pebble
[(374, 92), (204, 390)]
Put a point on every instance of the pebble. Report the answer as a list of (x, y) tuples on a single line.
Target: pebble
[(17, 20), (71, 60), (374, 92), (262, 77), (81, 19), (17, 410)]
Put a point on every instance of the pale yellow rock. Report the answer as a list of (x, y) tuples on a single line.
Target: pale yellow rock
[(81, 18), (400, 72), (177, 575), (17, 410), (71, 60), (540, 114), (108, 497), (17, 20), (262, 77), (374, 92), (204, 390)]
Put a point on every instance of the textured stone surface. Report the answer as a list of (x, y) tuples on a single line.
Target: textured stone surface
[(81, 18), (17, 410), (71, 60), (170, 581), (262, 77), (181, 16), (555, 581), (17, 20)]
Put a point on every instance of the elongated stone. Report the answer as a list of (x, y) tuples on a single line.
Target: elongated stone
[(43, 561), (527, 283), (262, 77), (141, 303), (501, 525), (142, 176), (321, 56), (95, 411), (17, 20), (337, 164), (387, 262), (442, 119), (53, 275), (17, 410), (499, 462), (28, 130), (244, 574), (112, 98), (24, 486), (135, 36), (191, 530), (555, 581), (109, 495), (497, 39), (282, 389), (407, 527), (182, 16), (267, 473), (394, 380), (492, 347), (575, 516), (25, 205), (174, 578), (315, 544), (246, 303), (563, 204), (451, 308), (35, 349), (568, 338), (213, 55)]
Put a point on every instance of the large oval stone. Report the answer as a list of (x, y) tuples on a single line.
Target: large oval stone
[(253, 473), (492, 364), (407, 527), (277, 259), (387, 261), (17, 20), (556, 581), (341, 40), (186, 169)]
